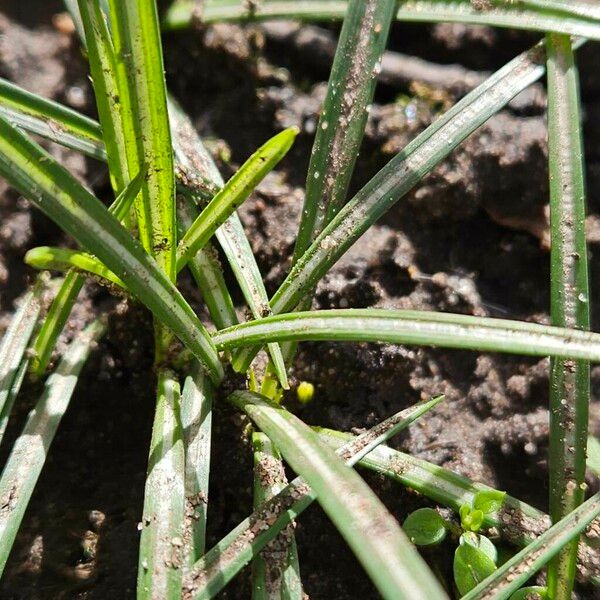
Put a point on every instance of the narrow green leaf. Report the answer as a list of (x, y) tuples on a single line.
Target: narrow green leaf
[(15, 340), (161, 543), (196, 420), (341, 126), (12, 396), (576, 17), (50, 187), (275, 571), (401, 174), (569, 298), (471, 566), (233, 193), (517, 522), (196, 165), (13, 358), (124, 201), (103, 67), (220, 564), (137, 41), (415, 327), (425, 527), (394, 566), (51, 120), (516, 571), (60, 309), (29, 453), (206, 270), (64, 259), (342, 122)]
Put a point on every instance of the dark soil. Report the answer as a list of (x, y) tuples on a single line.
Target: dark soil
[(472, 238)]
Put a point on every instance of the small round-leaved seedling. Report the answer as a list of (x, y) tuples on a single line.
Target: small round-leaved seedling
[(471, 519), (425, 527)]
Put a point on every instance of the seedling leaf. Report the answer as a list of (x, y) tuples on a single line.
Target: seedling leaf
[(517, 570), (220, 564), (425, 527), (471, 566), (29, 452), (489, 501), (480, 542)]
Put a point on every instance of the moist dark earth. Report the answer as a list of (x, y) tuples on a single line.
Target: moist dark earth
[(472, 238)]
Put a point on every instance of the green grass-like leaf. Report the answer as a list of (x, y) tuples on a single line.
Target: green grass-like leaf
[(233, 193), (161, 544), (574, 18), (28, 455), (416, 327), (570, 298), (15, 340), (208, 274), (275, 573), (51, 120), (63, 259), (58, 313), (103, 67), (139, 69), (50, 187), (378, 542), (63, 303), (344, 114), (196, 165), (196, 421), (11, 397), (220, 564)]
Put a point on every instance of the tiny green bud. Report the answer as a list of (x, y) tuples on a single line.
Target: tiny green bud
[(305, 392)]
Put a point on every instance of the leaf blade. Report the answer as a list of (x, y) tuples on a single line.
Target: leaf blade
[(161, 542), (64, 259), (233, 194), (415, 327), (569, 306), (562, 17)]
